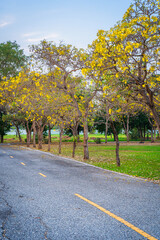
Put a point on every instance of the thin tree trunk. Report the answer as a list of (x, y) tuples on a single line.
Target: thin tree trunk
[(117, 144), (40, 136), (50, 135), (28, 135), (19, 136), (144, 132), (78, 137), (107, 119), (74, 147), (152, 140), (124, 125), (60, 140), (127, 128), (141, 136), (34, 134), (154, 134), (156, 117), (49, 138), (150, 102), (86, 152), (40, 127), (75, 136), (2, 137)]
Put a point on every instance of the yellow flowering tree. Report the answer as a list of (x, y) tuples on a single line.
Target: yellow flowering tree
[(63, 64), (131, 51)]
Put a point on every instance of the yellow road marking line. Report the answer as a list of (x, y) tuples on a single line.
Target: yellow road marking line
[(23, 164), (42, 175), (11, 156), (144, 234)]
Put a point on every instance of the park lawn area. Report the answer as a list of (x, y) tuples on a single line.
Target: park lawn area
[(55, 137), (136, 160), (141, 160)]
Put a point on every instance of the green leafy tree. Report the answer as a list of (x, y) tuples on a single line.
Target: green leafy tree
[(12, 58)]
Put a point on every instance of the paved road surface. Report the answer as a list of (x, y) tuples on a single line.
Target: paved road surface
[(44, 196)]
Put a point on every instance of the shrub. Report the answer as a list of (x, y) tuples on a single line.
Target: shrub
[(97, 140), (134, 135)]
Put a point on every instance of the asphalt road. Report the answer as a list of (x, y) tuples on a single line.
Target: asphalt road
[(44, 196)]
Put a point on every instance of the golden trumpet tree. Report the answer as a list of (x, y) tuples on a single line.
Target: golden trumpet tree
[(131, 51), (63, 63), (29, 93)]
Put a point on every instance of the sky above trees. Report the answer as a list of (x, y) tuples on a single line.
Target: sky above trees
[(75, 22)]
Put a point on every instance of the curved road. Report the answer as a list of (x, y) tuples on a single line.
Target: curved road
[(43, 196)]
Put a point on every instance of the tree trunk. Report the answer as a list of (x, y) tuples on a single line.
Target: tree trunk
[(74, 147), (107, 119), (152, 140), (86, 152), (144, 132), (150, 103), (49, 138), (28, 134), (19, 136), (40, 127), (78, 137), (127, 127), (75, 137), (60, 140), (156, 117), (154, 134), (141, 136), (2, 137), (117, 144), (34, 134), (40, 136)]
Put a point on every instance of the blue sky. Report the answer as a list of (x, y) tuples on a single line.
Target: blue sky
[(72, 21)]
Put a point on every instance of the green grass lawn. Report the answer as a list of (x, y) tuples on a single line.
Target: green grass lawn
[(141, 160)]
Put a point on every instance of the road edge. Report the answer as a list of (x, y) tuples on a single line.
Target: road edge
[(87, 164)]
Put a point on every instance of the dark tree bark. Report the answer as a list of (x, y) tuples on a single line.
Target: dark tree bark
[(117, 143), (86, 152), (60, 140), (18, 132), (144, 132), (49, 137), (126, 127), (2, 137), (28, 130), (154, 134), (75, 137), (152, 140), (34, 134), (40, 126), (107, 119), (40, 137)]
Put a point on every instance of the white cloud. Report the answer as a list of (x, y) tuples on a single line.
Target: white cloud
[(30, 34), (49, 36), (3, 24)]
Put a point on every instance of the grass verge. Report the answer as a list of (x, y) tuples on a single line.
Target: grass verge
[(140, 160), (136, 160)]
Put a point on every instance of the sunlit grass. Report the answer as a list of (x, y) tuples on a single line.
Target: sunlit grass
[(141, 160)]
